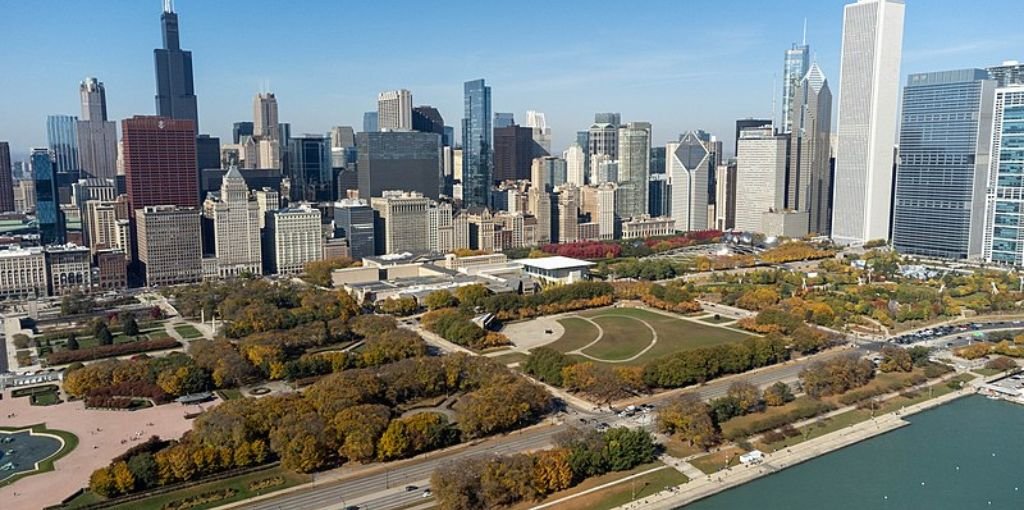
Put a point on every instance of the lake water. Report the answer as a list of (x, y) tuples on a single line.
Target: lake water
[(964, 455)]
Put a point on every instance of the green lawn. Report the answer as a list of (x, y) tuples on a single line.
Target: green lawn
[(638, 488), (230, 394), (626, 334), (715, 461), (188, 331), (508, 358), (615, 495), (46, 398), (238, 483), (578, 333), (70, 443)]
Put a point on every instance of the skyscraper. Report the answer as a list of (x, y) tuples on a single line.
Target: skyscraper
[(541, 132), (1004, 212), (353, 220), (94, 100), (370, 122), (310, 168), (240, 131), (97, 137), (426, 119), (603, 138), (169, 239), (608, 118), (394, 110), (794, 70), (689, 166), (160, 161), (513, 152), (407, 160), (547, 173), (945, 139), (175, 93), (6, 179), (402, 222), (742, 124), (760, 176), (265, 124), (291, 239), (49, 217), (62, 137), (1010, 72), (477, 144), (576, 165), (634, 154), (810, 180), (503, 120), (868, 93), (236, 227)]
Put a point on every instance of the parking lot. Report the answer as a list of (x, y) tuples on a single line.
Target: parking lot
[(952, 336)]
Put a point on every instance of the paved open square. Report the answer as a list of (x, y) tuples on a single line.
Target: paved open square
[(621, 335), (102, 435)]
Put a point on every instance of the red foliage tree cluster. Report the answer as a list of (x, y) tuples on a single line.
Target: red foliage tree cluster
[(687, 239), (126, 390), (585, 250), (107, 351)]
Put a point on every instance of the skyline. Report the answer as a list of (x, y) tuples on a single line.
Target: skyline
[(723, 71)]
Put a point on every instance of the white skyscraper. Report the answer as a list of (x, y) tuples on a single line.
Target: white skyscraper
[(760, 176), (541, 132), (394, 110), (868, 100), (688, 164), (236, 227), (576, 165)]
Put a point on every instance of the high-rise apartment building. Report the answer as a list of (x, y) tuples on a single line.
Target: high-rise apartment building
[(513, 152), (725, 196), (401, 222), (410, 160), (62, 138), (689, 166), (6, 179), (760, 176), (634, 155), (504, 119), (169, 242), (265, 123), (1004, 212), (567, 211), (575, 165), (540, 207), (797, 62), (160, 162), (394, 110), (292, 238), (310, 168), (868, 94), (175, 91), (477, 144), (547, 173), (49, 217), (809, 184), (945, 139), (236, 227), (353, 220)]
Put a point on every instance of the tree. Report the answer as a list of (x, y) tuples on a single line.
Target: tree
[(895, 359), (919, 354), (414, 434), (836, 375), (77, 302), (130, 326), (1001, 363), (124, 481), (546, 364), (551, 470), (72, 343), (102, 334), (143, 468), (102, 482), (689, 417), (778, 394), (318, 272), (627, 448), (440, 299), (471, 295), (746, 395)]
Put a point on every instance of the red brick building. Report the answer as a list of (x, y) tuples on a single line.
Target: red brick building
[(160, 162)]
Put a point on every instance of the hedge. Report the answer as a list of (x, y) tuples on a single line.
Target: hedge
[(108, 351)]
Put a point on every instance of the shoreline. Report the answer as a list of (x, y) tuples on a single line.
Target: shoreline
[(709, 485)]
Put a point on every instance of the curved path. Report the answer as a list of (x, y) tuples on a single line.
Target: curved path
[(654, 339)]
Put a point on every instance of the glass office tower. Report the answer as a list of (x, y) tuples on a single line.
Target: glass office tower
[(62, 137), (1004, 219), (48, 215), (477, 144), (944, 149)]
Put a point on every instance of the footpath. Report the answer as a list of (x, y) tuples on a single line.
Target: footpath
[(709, 485)]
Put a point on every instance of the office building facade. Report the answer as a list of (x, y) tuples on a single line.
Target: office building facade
[(160, 162), (945, 139), (394, 110), (809, 183), (689, 165), (797, 63), (409, 160), (868, 101), (6, 179), (634, 155), (310, 168), (477, 144), (292, 238), (62, 138), (353, 220), (97, 136), (513, 152), (175, 90), (760, 176), (49, 217), (1004, 213), (169, 244)]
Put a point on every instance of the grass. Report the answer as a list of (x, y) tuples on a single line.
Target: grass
[(718, 460), (238, 483), (26, 392), (589, 501), (747, 421), (47, 398), (631, 335), (986, 372), (188, 332), (612, 497), (46, 465), (512, 357), (624, 337), (230, 394), (679, 449)]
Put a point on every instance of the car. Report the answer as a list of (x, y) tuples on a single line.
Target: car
[(410, 488), (427, 493), (352, 507)]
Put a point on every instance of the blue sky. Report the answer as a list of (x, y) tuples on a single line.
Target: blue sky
[(681, 64)]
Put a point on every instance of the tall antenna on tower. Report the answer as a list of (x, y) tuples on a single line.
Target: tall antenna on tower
[(169, 6), (774, 77), (805, 32)]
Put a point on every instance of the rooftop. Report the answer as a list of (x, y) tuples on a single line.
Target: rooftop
[(554, 263)]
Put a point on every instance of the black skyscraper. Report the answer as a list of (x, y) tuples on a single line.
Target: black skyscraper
[(175, 95)]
